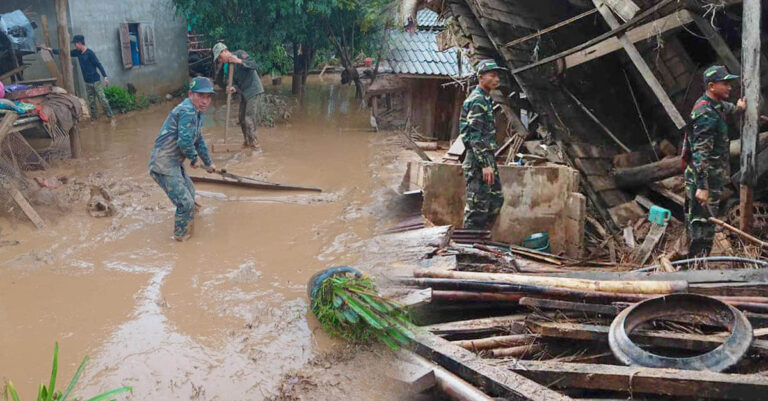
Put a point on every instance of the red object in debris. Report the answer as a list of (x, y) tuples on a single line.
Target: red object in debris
[(369, 61), (32, 92), (51, 182)]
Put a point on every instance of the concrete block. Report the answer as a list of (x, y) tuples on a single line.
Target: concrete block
[(536, 199)]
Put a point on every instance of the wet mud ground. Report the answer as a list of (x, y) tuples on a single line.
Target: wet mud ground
[(224, 315)]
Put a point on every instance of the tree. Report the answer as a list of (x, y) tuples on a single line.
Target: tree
[(265, 27)]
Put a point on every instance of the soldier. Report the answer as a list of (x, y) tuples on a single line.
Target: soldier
[(246, 81), (478, 132), (182, 138), (707, 156)]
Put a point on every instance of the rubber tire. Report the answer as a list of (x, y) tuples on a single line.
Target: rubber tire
[(318, 278)]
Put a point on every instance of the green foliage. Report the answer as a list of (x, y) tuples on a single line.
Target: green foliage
[(142, 102), (50, 393), (351, 308), (120, 99)]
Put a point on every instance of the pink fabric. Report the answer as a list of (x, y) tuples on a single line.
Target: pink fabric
[(2, 90)]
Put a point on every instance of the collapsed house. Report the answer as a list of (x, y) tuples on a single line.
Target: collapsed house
[(600, 89)]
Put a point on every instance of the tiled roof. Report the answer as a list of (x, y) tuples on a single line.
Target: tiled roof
[(416, 53), (426, 19)]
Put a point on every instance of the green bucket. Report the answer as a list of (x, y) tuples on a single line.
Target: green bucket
[(538, 242)]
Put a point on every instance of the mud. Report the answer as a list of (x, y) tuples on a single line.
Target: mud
[(224, 315)]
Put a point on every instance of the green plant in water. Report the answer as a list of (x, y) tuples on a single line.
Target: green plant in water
[(50, 393), (120, 99), (351, 308)]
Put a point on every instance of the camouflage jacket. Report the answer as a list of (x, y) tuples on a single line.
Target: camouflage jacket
[(478, 129), (709, 139), (180, 138)]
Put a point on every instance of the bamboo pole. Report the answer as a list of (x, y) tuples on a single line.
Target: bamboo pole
[(631, 287), (231, 69), (516, 352)]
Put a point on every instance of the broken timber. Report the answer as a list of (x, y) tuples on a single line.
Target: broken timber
[(673, 382), (491, 379)]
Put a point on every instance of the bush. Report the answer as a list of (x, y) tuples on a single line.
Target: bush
[(120, 99), (142, 102)]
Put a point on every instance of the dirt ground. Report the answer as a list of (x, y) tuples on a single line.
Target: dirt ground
[(223, 316)]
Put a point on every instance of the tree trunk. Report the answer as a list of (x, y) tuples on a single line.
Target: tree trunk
[(297, 84), (669, 167)]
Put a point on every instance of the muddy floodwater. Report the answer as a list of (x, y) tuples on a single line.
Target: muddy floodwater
[(222, 316)]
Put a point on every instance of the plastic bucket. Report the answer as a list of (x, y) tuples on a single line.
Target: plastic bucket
[(538, 242)]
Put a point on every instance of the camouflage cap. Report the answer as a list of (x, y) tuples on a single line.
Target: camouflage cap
[(201, 85), (487, 65), (717, 73), (217, 49)]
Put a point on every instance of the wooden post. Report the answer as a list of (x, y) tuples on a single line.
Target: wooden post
[(46, 34), (750, 82), (74, 141), (641, 65), (67, 77)]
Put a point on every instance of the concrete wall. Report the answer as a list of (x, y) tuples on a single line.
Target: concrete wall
[(99, 21), (536, 199)]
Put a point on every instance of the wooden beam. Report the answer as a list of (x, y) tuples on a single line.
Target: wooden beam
[(550, 28), (46, 34), (657, 27), (591, 332), (672, 382), (62, 18), (750, 83), (641, 65), (28, 210), (13, 72), (494, 380), (621, 29)]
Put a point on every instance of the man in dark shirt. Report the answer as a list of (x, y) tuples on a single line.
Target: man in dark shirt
[(91, 66), (246, 81)]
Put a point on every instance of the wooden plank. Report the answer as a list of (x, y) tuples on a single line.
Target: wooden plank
[(625, 9), (550, 28), (497, 381), (642, 66), (13, 72), (28, 210), (62, 18), (51, 66), (593, 166), (591, 332), (593, 309), (691, 276), (750, 84), (657, 27), (621, 29), (672, 382), (602, 182), (6, 124)]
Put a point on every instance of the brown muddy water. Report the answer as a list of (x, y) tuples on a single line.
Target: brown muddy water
[(220, 317)]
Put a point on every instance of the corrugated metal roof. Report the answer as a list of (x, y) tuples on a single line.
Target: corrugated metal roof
[(427, 18), (416, 53)]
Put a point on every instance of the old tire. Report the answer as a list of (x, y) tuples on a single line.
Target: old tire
[(317, 280)]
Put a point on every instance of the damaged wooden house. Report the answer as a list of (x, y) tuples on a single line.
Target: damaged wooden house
[(417, 84)]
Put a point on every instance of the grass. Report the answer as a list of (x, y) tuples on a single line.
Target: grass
[(50, 393), (350, 307)]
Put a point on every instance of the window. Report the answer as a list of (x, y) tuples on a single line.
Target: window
[(137, 44)]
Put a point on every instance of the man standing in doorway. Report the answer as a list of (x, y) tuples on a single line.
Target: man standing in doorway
[(246, 81), (181, 138), (707, 156), (478, 132), (91, 66)]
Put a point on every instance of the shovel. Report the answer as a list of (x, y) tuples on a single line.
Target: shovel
[(229, 178)]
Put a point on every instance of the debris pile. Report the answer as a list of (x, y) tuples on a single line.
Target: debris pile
[(520, 323)]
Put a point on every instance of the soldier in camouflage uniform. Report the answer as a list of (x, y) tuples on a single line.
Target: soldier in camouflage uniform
[(708, 160), (182, 138), (478, 132), (245, 80)]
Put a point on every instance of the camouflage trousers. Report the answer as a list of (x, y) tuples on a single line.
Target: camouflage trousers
[(483, 201), (249, 119), (181, 192), (701, 232), (94, 92)]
